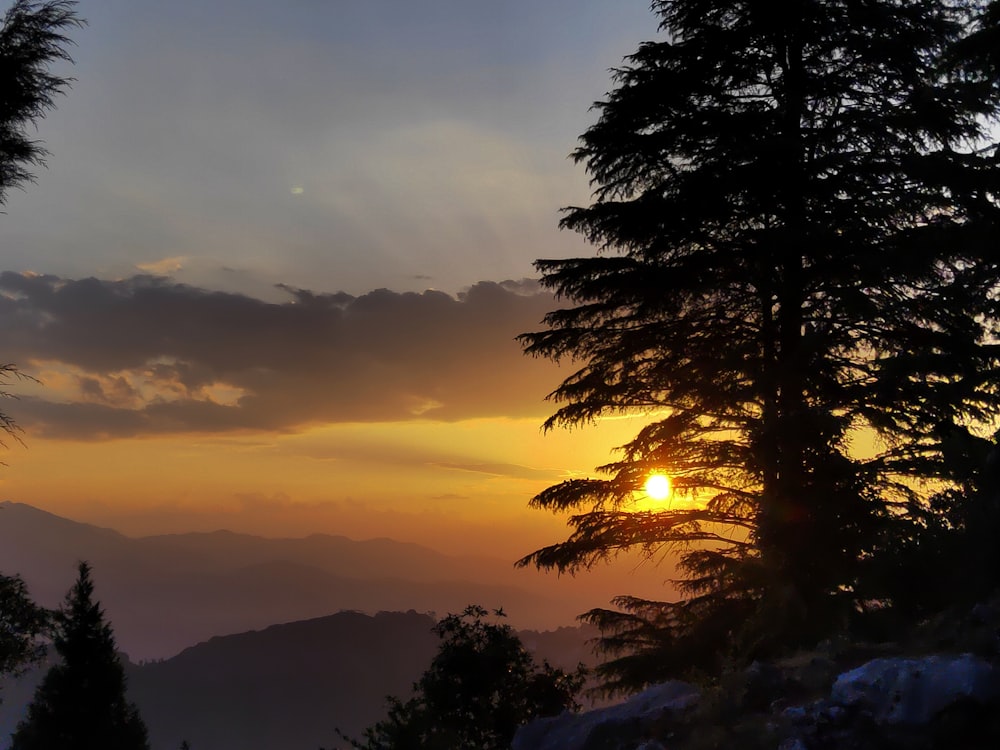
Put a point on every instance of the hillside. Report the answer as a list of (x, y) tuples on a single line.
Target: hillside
[(288, 686)]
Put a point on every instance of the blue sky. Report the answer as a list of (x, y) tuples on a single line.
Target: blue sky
[(220, 172), (325, 144)]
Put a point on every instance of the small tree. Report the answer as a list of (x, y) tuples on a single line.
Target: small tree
[(21, 624), (81, 703), (481, 686)]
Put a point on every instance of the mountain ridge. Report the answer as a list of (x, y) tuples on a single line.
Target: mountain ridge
[(166, 592), (289, 684)]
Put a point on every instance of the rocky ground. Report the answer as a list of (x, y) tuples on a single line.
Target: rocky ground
[(938, 690)]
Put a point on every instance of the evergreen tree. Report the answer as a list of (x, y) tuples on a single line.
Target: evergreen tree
[(481, 686), (32, 38), (81, 702), (796, 208), (979, 53)]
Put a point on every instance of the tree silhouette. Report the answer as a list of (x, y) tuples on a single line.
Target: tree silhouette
[(979, 52), (81, 702), (21, 624), (31, 39), (481, 686), (796, 211)]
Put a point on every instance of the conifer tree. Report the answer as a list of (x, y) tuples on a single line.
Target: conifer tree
[(81, 702), (795, 207), (32, 38)]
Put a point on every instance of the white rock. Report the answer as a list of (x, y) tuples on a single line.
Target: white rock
[(911, 691)]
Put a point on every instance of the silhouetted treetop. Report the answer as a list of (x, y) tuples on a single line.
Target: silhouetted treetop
[(81, 702), (481, 686), (795, 208), (32, 38)]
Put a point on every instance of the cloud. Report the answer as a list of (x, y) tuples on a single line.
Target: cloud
[(164, 266), (148, 355)]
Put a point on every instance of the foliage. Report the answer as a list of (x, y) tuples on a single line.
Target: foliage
[(22, 622), (481, 686), (797, 217), (32, 38), (8, 426), (81, 702)]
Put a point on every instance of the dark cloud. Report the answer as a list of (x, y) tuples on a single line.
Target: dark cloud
[(114, 391), (149, 355)]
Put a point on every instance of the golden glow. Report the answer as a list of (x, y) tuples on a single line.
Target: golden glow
[(658, 486), (465, 487)]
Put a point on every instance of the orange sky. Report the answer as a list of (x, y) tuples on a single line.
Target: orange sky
[(173, 278), (414, 416), (460, 486)]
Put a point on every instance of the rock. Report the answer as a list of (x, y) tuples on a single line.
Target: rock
[(912, 691), (619, 726), (796, 714)]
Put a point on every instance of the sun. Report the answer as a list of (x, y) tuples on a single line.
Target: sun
[(658, 486)]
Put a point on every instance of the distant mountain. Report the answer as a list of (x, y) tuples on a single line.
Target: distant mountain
[(289, 686), (163, 593)]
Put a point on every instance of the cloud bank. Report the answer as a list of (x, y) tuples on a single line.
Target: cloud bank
[(147, 355)]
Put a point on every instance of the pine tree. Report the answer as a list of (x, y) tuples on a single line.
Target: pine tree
[(81, 702), (796, 211)]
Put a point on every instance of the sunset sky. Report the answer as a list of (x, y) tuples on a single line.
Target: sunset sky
[(272, 275)]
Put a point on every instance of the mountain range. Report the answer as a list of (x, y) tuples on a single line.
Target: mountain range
[(164, 593)]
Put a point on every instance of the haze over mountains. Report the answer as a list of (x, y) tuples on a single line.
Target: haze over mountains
[(164, 593), (287, 686), (278, 686)]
